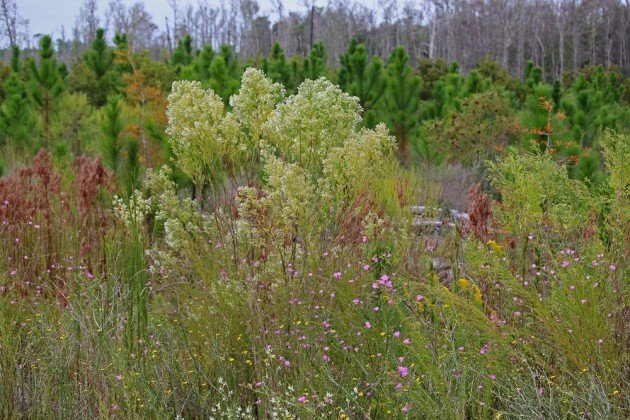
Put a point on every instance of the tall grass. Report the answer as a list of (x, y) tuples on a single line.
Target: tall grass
[(232, 306)]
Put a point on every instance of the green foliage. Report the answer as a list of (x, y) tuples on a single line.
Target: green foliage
[(74, 122), (448, 92), (112, 127), (401, 100), (536, 192), (202, 63), (83, 80), (314, 66), (45, 85), (99, 60), (556, 94), (482, 129), (363, 79), (224, 72), (533, 75), (14, 64), (278, 69), (121, 62), (182, 55), (18, 125), (616, 151), (430, 71)]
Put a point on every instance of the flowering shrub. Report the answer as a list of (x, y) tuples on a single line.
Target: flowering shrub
[(314, 160)]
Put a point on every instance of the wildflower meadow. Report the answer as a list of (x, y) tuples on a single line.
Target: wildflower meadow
[(453, 246)]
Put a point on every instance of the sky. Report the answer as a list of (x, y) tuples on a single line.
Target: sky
[(48, 16)]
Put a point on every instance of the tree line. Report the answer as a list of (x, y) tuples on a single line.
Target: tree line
[(112, 100), (557, 35)]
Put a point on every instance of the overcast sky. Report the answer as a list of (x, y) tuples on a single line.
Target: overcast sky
[(47, 16)]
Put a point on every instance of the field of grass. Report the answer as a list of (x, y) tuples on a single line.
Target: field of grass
[(287, 279)]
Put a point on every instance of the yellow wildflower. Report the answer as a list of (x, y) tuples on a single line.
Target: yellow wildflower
[(495, 246), (477, 294)]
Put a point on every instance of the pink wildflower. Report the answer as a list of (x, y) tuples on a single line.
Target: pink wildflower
[(404, 371)]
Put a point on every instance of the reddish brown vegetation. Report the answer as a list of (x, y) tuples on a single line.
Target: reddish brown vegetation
[(479, 212), (39, 213)]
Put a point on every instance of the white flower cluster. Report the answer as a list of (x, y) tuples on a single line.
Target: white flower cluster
[(131, 213), (254, 103), (362, 160), (312, 158), (181, 217), (305, 127), (202, 136)]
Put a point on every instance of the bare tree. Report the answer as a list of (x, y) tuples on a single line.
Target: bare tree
[(559, 35), (9, 20), (87, 22), (134, 21)]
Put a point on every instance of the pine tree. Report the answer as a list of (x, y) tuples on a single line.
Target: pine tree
[(314, 65), (46, 83), (402, 100), (14, 64), (363, 79), (344, 77), (120, 41), (222, 81), (17, 123), (74, 122), (133, 168), (182, 56), (474, 83), (202, 63), (446, 94), (277, 68), (112, 127), (430, 71), (230, 60), (556, 94), (121, 63), (99, 59), (63, 71), (533, 74)]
